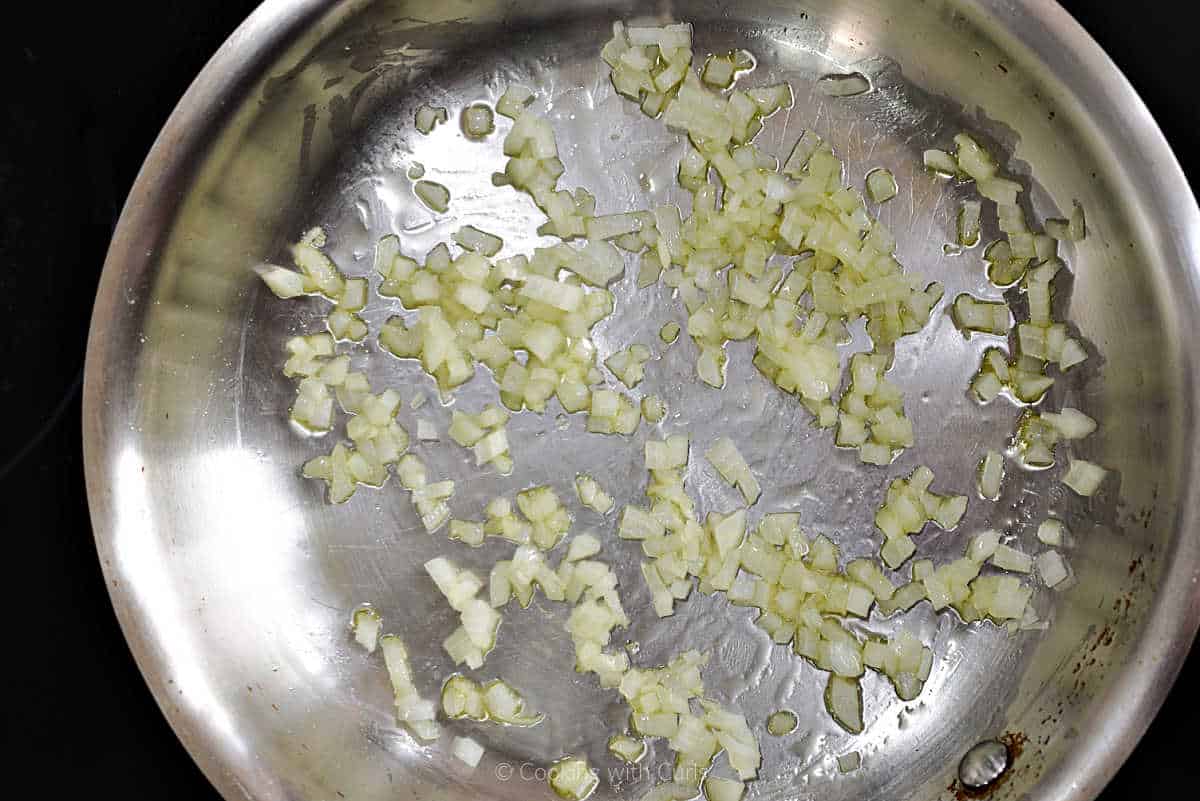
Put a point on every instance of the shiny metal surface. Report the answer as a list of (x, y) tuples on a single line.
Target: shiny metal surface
[(233, 579)]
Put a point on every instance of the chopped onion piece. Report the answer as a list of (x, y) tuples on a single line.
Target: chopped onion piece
[(881, 185), (991, 473), (1052, 532), (629, 365), (466, 531), (514, 101), (433, 195), (506, 705), (481, 242), (718, 789), (983, 545), (1052, 568), (592, 496), (599, 263), (908, 506), (550, 521), (477, 121), (1008, 558), (654, 409), (848, 763), (988, 317), (972, 159), (476, 636), (718, 71), (1071, 355), (573, 779), (428, 116), (1070, 423), (463, 698), (366, 624), (1001, 190), (941, 162), (283, 282), (467, 751), (1084, 477), (627, 749), (728, 461), (583, 546), (968, 223), (413, 711), (843, 699)]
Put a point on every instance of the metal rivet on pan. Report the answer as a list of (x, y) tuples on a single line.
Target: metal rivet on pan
[(983, 764)]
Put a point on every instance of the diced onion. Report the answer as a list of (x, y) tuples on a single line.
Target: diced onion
[(433, 195), (283, 282), (428, 116), (481, 242), (1052, 568), (573, 779), (467, 751), (968, 223), (514, 100), (1008, 558), (627, 749), (592, 495), (719, 789), (991, 473), (583, 546), (728, 461), (413, 711), (477, 121), (1052, 532), (1084, 477), (366, 624), (983, 545), (988, 317), (654, 409), (941, 162), (529, 318), (881, 185), (843, 699), (467, 532)]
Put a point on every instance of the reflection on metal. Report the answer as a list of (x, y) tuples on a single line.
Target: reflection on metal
[(983, 765)]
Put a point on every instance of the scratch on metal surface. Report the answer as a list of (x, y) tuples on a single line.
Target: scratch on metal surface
[(238, 383), (871, 149), (933, 215), (787, 121)]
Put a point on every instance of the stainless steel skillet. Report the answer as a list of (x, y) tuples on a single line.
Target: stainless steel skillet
[(232, 578)]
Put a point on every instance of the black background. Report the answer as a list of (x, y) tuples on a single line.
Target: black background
[(85, 93)]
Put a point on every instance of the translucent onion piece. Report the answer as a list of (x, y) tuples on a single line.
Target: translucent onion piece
[(573, 779), (366, 624), (467, 751)]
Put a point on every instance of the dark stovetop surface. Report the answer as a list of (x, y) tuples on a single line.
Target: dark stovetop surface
[(86, 92)]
